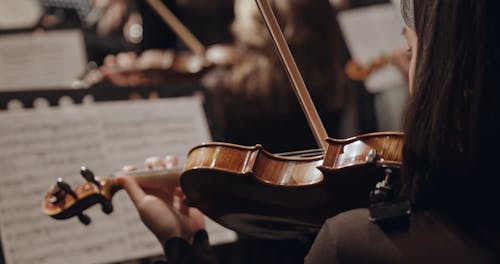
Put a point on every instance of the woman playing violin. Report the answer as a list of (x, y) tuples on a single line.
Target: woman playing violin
[(449, 154)]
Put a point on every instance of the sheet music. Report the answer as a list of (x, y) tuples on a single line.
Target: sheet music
[(38, 146), (152, 128), (174, 133), (371, 32), (41, 61)]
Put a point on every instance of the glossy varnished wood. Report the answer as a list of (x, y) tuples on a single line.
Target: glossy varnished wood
[(257, 162), (62, 205), (87, 194), (353, 151), (258, 193)]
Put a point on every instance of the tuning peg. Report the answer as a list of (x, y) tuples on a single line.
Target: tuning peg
[(89, 176), (107, 207), (84, 219), (66, 188)]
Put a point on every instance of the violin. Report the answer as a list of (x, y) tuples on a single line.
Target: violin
[(358, 72), (275, 196), (63, 202), (253, 191)]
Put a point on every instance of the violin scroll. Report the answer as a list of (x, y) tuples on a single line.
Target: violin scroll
[(63, 202)]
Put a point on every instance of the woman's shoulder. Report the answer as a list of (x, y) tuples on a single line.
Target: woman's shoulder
[(406, 239), (360, 214), (349, 220), (350, 237)]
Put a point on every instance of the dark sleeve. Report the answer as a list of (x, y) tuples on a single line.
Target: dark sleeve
[(178, 250), (350, 237), (324, 248)]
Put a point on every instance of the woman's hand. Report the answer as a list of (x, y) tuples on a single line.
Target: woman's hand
[(127, 69), (163, 209)]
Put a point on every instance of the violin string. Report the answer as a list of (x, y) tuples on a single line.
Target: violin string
[(303, 153)]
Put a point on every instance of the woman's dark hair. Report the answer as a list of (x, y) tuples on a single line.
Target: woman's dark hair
[(453, 115), (314, 37)]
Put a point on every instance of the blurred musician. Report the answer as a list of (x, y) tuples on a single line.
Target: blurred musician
[(253, 100)]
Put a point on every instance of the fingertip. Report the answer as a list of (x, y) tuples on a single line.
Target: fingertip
[(178, 190), (154, 163), (135, 192), (110, 58), (129, 168), (186, 202), (121, 180), (171, 161)]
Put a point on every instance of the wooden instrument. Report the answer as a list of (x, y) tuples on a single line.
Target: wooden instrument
[(251, 190), (357, 72), (220, 159), (63, 202), (274, 196)]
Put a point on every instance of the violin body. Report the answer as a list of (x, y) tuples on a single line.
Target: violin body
[(257, 193)]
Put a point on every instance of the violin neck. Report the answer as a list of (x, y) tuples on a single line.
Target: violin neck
[(155, 178), (293, 72)]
